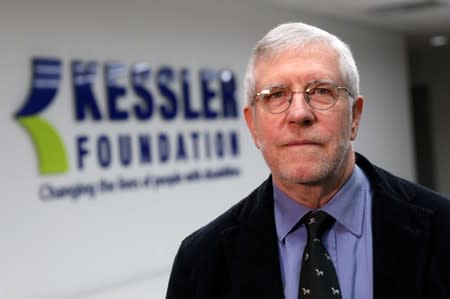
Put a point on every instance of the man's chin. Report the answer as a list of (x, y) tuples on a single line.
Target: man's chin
[(307, 176)]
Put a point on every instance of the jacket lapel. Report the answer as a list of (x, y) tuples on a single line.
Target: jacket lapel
[(252, 249), (401, 234)]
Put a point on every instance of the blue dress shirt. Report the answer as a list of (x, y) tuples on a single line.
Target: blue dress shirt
[(349, 241)]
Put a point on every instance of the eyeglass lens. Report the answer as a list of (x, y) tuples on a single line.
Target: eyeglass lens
[(319, 95)]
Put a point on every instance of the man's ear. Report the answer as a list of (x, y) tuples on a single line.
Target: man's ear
[(249, 115), (357, 110)]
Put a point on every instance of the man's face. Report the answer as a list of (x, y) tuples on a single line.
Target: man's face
[(304, 145)]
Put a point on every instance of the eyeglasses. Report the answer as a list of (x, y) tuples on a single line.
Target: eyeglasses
[(320, 95)]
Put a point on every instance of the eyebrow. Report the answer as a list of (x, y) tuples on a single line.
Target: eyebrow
[(283, 85)]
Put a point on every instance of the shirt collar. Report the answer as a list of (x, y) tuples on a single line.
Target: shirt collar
[(347, 206)]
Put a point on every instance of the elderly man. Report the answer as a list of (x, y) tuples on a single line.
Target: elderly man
[(326, 223)]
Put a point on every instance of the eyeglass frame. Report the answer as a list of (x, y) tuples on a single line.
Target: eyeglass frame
[(306, 95)]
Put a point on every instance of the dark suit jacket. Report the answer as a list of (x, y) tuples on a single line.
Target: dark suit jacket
[(236, 255)]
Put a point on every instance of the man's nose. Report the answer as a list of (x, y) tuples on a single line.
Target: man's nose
[(300, 111)]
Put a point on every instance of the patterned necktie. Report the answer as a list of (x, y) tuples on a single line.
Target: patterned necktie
[(318, 277)]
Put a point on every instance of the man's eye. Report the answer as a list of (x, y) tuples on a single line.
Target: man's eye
[(276, 95), (321, 91)]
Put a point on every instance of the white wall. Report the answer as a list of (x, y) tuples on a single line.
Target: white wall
[(121, 245)]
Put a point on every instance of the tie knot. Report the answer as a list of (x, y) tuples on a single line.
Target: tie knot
[(316, 223)]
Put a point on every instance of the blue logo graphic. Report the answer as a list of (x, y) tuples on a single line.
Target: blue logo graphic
[(51, 152)]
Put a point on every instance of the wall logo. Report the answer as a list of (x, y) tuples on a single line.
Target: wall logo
[(46, 78), (165, 124)]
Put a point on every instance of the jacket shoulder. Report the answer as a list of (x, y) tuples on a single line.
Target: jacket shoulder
[(201, 264), (228, 221), (386, 183)]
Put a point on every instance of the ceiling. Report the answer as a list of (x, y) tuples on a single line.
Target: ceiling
[(419, 19)]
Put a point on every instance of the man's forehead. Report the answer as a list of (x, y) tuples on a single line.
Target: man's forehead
[(327, 69), (272, 55)]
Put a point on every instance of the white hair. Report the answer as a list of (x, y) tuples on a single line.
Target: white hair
[(295, 36)]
